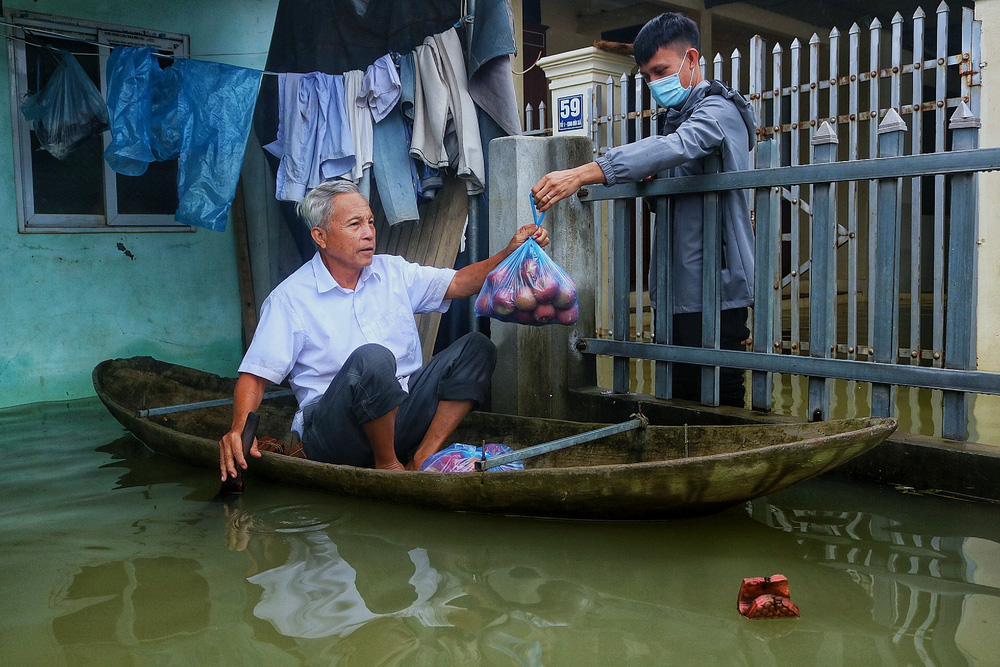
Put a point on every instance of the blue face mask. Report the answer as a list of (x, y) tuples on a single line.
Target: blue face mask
[(668, 91)]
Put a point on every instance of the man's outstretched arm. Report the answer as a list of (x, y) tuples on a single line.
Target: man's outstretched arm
[(557, 185), (469, 279)]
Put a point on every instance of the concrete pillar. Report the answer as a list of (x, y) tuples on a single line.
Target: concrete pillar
[(537, 366), (985, 426), (571, 76)]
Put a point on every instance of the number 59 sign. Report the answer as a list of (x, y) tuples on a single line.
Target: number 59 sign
[(570, 112)]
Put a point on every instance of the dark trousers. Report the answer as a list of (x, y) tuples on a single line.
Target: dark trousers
[(366, 389), (687, 377)]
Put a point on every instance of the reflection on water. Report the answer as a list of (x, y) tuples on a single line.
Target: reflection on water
[(926, 570), (115, 555), (918, 410), (132, 601)]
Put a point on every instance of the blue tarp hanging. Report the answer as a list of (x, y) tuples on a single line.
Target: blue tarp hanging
[(196, 111)]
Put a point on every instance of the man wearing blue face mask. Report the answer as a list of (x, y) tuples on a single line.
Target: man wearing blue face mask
[(703, 117)]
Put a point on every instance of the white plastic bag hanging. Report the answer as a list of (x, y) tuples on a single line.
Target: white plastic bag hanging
[(68, 111)]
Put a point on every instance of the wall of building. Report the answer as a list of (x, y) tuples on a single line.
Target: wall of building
[(985, 424), (573, 25), (68, 301)]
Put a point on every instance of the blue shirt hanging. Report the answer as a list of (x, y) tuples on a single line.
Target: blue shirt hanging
[(198, 112), (314, 140)]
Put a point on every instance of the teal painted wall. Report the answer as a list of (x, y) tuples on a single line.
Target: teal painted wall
[(68, 301)]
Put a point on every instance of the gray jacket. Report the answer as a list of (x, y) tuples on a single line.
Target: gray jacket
[(713, 116)]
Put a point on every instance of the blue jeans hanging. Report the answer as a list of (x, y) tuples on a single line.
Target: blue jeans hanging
[(391, 168)]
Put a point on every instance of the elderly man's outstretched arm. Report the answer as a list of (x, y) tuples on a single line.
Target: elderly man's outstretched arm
[(469, 279)]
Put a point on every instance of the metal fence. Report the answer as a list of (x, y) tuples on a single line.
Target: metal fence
[(534, 121), (849, 260)]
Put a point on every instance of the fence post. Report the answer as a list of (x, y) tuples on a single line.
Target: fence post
[(620, 308), (711, 283), (823, 281), (874, 52), (663, 326), (885, 294), (758, 55), (960, 332), (767, 278)]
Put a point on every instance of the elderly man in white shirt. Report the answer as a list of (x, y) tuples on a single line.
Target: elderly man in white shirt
[(341, 328)]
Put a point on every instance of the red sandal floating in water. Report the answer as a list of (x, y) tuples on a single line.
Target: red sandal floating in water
[(766, 597)]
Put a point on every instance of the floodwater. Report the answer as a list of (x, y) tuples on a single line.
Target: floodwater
[(918, 410), (114, 555)]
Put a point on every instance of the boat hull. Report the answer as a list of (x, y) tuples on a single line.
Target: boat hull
[(660, 472)]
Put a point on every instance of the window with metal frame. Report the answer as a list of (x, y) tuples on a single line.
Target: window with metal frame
[(81, 193)]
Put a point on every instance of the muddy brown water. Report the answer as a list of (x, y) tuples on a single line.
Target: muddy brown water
[(114, 555)]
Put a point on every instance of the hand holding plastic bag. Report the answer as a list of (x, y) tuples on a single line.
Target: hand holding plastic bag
[(68, 111), (529, 288)]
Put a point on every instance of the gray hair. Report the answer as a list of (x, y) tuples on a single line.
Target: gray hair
[(317, 207)]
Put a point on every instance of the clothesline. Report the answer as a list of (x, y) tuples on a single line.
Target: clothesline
[(467, 18), (103, 45), (190, 57), (405, 148)]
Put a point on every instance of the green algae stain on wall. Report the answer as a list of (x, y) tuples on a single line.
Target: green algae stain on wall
[(69, 301)]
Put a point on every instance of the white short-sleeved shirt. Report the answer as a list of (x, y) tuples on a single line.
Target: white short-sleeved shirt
[(309, 324)]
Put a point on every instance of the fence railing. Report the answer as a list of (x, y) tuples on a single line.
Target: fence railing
[(923, 83), (887, 170), (921, 79), (855, 102)]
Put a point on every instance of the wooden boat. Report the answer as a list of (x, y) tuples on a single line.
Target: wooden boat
[(658, 472)]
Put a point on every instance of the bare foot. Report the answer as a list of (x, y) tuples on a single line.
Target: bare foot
[(394, 465)]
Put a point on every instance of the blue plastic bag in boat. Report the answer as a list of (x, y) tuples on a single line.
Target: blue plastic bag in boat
[(68, 111), (196, 111), (460, 457)]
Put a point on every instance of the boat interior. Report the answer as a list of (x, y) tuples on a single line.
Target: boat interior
[(140, 383)]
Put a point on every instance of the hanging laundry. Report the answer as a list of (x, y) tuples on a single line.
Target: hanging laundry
[(360, 120), (331, 36), (392, 169), (314, 141), (144, 125), (380, 88), (68, 111), (197, 111), (491, 83), (426, 180), (445, 124)]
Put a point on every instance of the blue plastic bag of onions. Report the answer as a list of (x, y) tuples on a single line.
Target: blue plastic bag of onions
[(460, 457), (529, 288)]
